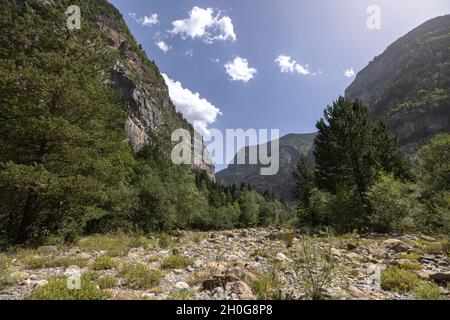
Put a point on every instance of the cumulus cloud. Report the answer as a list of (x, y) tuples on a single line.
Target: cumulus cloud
[(163, 46), (145, 20), (198, 111), (289, 65), (349, 73), (238, 70), (206, 25)]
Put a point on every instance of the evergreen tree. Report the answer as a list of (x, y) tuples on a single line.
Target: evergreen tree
[(64, 159)]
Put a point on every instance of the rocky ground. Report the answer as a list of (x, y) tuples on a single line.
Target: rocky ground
[(239, 264)]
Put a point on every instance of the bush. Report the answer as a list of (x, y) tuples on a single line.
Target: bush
[(139, 276), (115, 245), (103, 263), (391, 203), (56, 289), (428, 291), (316, 268), (398, 280), (176, 262), (436, 216), (107, 282), (266, 286)]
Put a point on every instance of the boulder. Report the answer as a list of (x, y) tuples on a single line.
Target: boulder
[(181, 285), (428, 238), (440, 277), (281, 257), (357, 293)]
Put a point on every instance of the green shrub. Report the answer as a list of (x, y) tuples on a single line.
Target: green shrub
[(266, 286), (64, 262), (398, 280), (180, 295), (408, 265), (315, 268), (107, 282), (139, 276), (392, 203), (56, 289), (428, 291), (165, 241), (6, 277), (288, 239), (114, 245), (176, 261), (35, 262), (103, 263)]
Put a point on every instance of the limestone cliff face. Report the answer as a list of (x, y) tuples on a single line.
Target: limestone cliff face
[(140, 83), (409, 85)]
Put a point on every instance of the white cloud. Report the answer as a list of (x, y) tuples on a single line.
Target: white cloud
[(145, 20), (202, 23), (189, 53), (238, 70), (349, 73), (289, 65), (226, 28), (163, 46), (198, 111)]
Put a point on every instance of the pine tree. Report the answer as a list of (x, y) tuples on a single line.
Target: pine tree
[(350, 150), (65, 161)]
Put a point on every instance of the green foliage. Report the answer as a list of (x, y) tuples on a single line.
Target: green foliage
[(392, 203), (107, 282), (183, 294), (428, 291), (266, 286), (103, 263), (139, 276), (435, 176), (315, 268), (57, 289), (350, 151), (113, 244), (176, 261), (409, 265), (396, 279), (64, 163)]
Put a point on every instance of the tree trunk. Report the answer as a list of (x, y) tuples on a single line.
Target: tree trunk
[(30, 215)]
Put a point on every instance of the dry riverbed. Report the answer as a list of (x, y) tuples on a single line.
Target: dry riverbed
[(264, 263)]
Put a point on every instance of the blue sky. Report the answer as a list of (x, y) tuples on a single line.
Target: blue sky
[(317, 41)]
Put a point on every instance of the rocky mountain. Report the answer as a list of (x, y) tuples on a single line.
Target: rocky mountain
[(409, 84), (282, 184), (138, 79), (141, 84)]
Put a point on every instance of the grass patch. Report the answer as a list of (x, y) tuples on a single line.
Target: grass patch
[(428, 291), (107, 282), (266, 287), (7, 278), (103, 263), (56, 289), (261, 253), (412, 256), (409, 265), (442, 247), (36, 262), (166, 241), (176, 261), (139, 276), (142, 242), (113, 245), (180, 295), (398, 280)]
